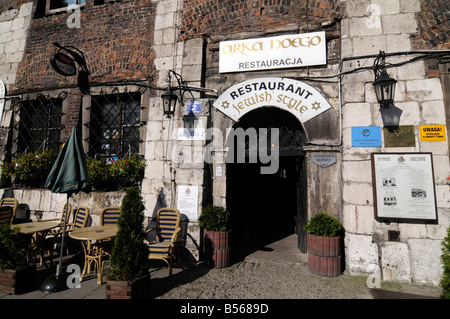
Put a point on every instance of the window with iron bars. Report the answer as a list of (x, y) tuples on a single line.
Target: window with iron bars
[(114, 140), (115, 121), (40, 124)]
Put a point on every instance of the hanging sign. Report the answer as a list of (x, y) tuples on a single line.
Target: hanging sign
[(285, 51), (63, 64), (432, 132), (296, 97)]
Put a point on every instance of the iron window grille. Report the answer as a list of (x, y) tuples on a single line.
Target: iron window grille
[(39, 125), (115, 121)]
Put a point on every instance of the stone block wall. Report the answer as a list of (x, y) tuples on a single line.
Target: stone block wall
[(394, 27), (14, 24)]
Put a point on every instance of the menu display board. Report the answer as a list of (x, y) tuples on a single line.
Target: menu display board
[(404, 186)]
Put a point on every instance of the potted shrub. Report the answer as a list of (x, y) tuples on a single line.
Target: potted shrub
[(129, 276), (324, 243), (215, 222), (16, 276)]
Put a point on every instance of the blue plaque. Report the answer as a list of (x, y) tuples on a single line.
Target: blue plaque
[(366, 136), (193, 107)]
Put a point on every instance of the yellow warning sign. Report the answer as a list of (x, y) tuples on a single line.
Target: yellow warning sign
[(432, 133)]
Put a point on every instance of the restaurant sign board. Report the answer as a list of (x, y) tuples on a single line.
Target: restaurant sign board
[(285, 51), (296, 97)]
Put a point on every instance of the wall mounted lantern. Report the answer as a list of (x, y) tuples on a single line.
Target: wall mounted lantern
[(383, 84), (170, 98), (169, 102)]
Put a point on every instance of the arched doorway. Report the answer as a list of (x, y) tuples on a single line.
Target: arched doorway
[(267, 207)]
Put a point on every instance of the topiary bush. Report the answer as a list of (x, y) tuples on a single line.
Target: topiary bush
[(129, 257), (215, 218), (324, 225), (445, 281)]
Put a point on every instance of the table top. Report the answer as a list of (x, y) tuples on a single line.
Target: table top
[(33, 227), (94, 233)]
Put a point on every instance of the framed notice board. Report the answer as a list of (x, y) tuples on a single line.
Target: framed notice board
[(403, 186)]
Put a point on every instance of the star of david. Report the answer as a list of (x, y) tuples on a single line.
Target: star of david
[(225, 104), (316, 105)]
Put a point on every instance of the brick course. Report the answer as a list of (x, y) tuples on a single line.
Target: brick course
[(213, 17), (116, 38), (434, 26)]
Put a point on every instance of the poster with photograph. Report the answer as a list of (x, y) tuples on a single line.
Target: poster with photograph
[(404, 186)]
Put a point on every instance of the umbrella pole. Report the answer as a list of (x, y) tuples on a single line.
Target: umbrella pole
[(58, 268), (58, 282)]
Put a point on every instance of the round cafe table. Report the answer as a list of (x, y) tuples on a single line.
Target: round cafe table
[(94, 253), (38, 227)]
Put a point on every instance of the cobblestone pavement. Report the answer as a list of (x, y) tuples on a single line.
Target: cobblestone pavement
[(278, 272), (260, 280)]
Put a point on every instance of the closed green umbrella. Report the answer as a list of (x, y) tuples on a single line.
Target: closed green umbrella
[(68, 175)]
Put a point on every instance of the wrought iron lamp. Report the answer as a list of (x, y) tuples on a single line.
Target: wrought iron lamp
[(170, 98), (169, 102), (383, 84)]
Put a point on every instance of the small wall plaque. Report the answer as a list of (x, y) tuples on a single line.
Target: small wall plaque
[(324, 160), (400, 136)]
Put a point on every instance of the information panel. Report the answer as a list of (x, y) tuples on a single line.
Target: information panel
[(187, 201), (404, 186)]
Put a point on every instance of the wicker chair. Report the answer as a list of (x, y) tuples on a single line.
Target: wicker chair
[(167, 230), (81, 218), (10, 202), (6, 213), (109, 216), (53, 234), (64, 215)]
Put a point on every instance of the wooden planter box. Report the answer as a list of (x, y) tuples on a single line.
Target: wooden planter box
[(324, 255), (18, 281), (217, 248), (138, 288)]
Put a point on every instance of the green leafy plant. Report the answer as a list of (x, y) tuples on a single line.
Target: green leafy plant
[(30, 169), (215, 218), (121, 173), (128, 171), (13, 248), (99, 174), (129, 257), (324, 225), (445, 257)]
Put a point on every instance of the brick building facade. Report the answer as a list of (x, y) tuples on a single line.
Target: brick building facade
[(132, 50)]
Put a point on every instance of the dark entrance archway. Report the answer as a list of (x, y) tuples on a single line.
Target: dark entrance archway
[(268, 207)]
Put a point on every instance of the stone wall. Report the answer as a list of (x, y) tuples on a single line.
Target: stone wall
[(390, 26), (42, 204), (14, 26)]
